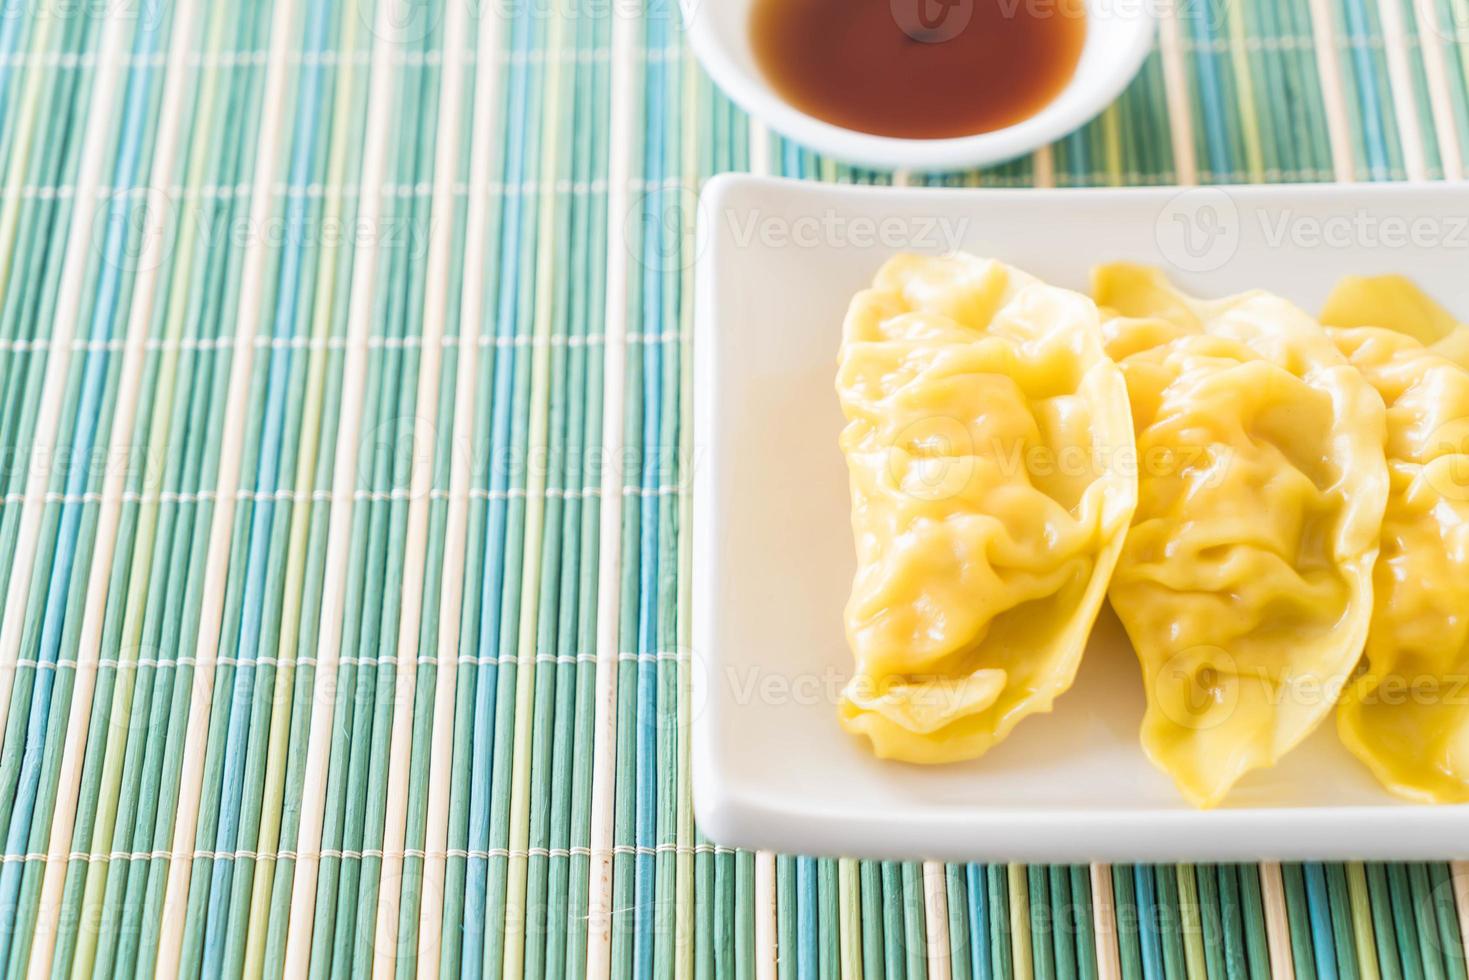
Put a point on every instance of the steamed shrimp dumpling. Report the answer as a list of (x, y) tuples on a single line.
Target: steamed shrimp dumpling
[(982, 421), (1245, 580)]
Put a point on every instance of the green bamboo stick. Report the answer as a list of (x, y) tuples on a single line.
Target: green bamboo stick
[(305, 545), (1361, 913)]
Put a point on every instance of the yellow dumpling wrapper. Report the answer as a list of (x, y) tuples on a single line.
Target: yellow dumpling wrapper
[(1245, 582), (1392, 302), (983, 424), (1406, 715)]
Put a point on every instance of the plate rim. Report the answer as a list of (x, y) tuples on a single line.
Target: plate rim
[(1394, 829)]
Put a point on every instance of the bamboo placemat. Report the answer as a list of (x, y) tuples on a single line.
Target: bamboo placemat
[(344, 375)]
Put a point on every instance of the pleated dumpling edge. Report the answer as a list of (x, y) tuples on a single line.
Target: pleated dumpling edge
[(989, 444), (1245, 583), (1406, 714)]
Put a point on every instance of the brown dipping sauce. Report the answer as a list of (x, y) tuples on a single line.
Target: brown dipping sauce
[(921, 69)]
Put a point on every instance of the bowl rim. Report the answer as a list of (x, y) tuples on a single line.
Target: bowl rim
[(754, 94)]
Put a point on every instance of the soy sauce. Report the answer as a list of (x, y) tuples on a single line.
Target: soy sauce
[(922, 69)]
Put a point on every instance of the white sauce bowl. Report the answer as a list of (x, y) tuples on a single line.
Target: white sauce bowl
[(1119, 34)]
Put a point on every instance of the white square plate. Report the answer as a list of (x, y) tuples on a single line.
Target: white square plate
[(778, 262)]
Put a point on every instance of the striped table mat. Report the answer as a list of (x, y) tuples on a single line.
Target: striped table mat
[(344, 374)]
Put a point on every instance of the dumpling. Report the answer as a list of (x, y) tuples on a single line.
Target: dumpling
[(1245, 582), (1392, 302), (983, 422), (1406, 715)]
